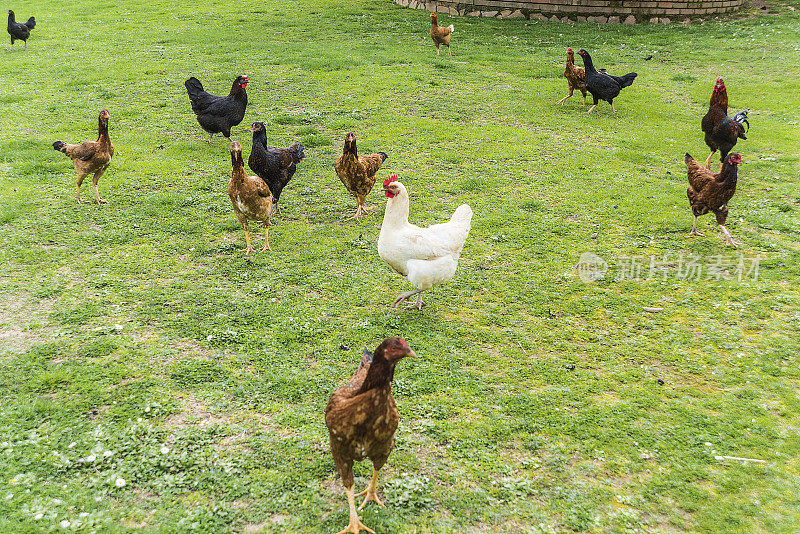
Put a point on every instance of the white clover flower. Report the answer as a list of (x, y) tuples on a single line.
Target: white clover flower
[(83, 514), (106, 454), (71, 445), (91, 458), (164, 449), (64, 524), (38, 516), (98, 498), (120, 482), (10, 496)]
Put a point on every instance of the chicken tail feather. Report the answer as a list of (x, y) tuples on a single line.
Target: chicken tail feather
[(366, 359), (193, 87), (627, 80), (31, 24), (741, 118)]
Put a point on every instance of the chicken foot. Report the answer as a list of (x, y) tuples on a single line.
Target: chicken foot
[(361, 210), (355, 526), (694, 228), (728, 239), (569, 95), (403, 296), (370, 491)]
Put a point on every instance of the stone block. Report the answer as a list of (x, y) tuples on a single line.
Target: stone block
[(664, 20), (630, 19), (613, 20)]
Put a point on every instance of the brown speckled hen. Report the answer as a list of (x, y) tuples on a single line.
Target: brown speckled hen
[(576, 77), (712, 192), (357, 173), (90, 157), (250, 196), (362, 418)]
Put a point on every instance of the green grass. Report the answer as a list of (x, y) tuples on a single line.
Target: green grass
[(154, 379)]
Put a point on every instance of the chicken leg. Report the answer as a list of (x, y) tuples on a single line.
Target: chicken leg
[(370, 491), (591, 108), (566, 97), (95, 179), (266, 239), (694, 228), (249, 248), (355, 526), (708, 159), (728, 239), (403, 296)]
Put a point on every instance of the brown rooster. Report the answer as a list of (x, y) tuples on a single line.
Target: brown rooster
[(250, 196), (362, 418), (440, 34), (711, 192), (357, 173), (90, 156), (576, 77), (722, 131)]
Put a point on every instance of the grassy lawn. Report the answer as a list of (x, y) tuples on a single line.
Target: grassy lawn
[(154, 379)]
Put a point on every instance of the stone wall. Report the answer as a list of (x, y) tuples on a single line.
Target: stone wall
[(613, 11)]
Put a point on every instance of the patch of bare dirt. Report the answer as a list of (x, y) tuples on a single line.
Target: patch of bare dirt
[(19, 315)]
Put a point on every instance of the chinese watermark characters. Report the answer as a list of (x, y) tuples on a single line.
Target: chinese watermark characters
[(668, 266)]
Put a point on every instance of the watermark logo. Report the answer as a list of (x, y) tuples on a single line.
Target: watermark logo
[(675, 266), (591, 267)]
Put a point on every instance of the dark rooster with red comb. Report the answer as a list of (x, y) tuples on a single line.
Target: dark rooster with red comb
[(722, 131)]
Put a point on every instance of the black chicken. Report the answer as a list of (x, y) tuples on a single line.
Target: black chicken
[(362, 418), (218, 114), (722, 131), (602, 85), (19, 31), (275, 166)]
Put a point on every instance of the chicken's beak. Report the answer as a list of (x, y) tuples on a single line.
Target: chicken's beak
[(410, 353)]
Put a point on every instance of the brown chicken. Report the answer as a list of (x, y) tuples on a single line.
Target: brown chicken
[(362, 418), (576, 77), (722, 131), (440, 34), (250, 196), (357, 173), (711, 192), (90, 156)]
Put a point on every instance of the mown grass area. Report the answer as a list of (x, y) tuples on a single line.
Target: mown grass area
[(154, 379)]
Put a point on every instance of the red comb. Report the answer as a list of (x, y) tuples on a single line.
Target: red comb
[(390, 179)]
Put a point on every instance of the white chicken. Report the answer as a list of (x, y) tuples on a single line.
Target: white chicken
[(427, 256)]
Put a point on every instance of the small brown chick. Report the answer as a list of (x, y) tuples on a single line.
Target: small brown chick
[(250, 196)]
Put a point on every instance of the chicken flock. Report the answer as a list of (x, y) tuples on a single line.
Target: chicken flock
[(361, 416)]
